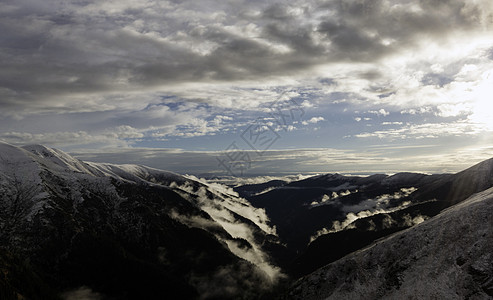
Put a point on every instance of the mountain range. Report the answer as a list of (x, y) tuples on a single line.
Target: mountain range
[(124, 232), (84, 230)]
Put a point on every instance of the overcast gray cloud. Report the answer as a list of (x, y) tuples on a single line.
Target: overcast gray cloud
[(63, 48), (137, 73)]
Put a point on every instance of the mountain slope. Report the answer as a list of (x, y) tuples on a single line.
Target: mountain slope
[(325, 217), (457, 187), (358, 234), (447, 257), (125, 232), (302, 210)]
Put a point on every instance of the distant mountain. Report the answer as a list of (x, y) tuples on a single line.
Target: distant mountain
[(302, 208), (447, 257), (71, 228), (249, 190), (325, 217)]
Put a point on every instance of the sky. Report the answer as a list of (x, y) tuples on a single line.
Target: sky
[(252, 87)]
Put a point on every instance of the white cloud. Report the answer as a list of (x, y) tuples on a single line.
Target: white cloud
[(313, 120), (222, 207), (380, 112), (316, 120), (368, 208), (453, 110), (419, 110), (428, 130)]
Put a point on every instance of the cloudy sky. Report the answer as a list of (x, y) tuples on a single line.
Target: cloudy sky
[(252, 87)]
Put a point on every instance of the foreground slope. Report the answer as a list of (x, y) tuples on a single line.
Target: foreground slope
[(124, 232), (449, 256)]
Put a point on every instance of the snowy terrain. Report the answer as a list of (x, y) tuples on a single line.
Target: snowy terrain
[(42, 188), (447, 257), (66, 226)]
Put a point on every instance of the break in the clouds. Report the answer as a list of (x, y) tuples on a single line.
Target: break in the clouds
[(194, 74)]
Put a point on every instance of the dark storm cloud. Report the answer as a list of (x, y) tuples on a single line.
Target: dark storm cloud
[(50, 51)]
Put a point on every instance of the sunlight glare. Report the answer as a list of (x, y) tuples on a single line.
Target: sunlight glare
[(483, 104)]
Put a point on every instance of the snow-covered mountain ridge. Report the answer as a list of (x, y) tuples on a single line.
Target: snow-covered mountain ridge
[(55, 209)]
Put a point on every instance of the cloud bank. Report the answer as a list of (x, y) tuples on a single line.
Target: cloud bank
[(382, 159), (193, 75)]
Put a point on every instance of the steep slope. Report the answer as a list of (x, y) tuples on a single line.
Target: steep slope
[(125, 232), (457, 187), (361, 232), (446, 257)]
